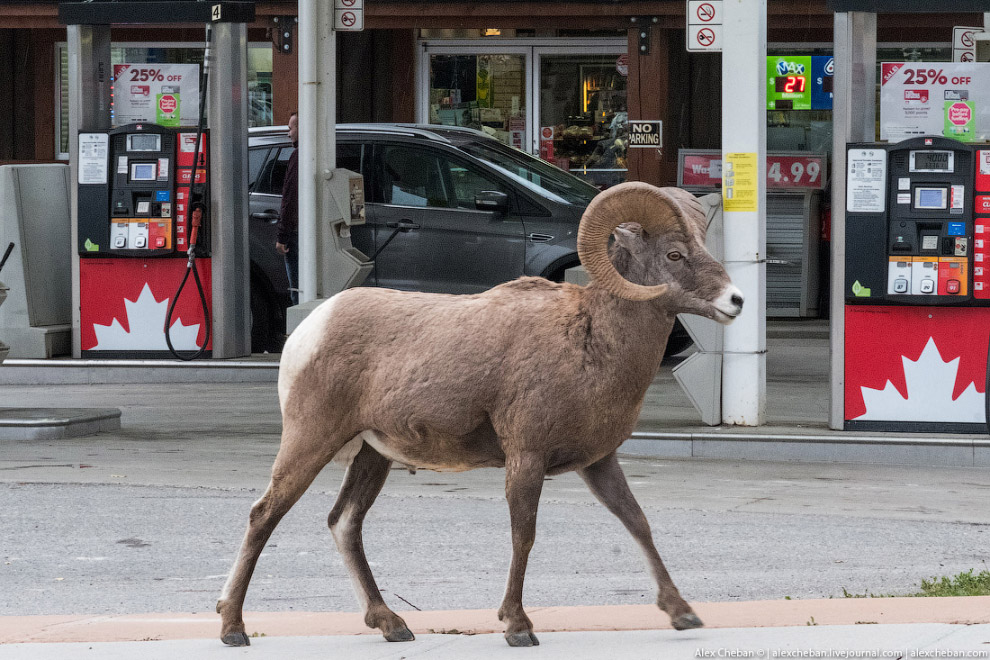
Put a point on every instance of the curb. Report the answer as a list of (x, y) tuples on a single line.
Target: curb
[(747, 614)]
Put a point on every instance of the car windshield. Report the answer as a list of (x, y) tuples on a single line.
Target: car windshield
[(532, 172)]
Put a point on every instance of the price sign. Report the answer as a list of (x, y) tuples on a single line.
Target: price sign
[(794, 171), (785, 171)]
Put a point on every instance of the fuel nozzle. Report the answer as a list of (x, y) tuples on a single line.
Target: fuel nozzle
[(197, 222)]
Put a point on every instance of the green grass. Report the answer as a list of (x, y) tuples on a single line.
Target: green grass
[(963, 584)]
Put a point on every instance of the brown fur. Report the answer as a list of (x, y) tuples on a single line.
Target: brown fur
[(538, 377)]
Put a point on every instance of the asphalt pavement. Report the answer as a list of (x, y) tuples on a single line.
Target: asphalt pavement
[(115, 545)]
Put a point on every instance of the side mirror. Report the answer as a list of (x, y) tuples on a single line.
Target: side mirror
[(492, 200)]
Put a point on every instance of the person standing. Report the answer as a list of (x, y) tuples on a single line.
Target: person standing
[(287, 230)]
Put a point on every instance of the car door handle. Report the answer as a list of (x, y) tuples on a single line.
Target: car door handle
[(402, 225), (268, 216)]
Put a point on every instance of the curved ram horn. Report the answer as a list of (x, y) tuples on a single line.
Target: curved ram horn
[(655, 209)]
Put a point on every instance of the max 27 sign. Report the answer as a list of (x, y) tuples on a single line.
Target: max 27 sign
[(802, 82)]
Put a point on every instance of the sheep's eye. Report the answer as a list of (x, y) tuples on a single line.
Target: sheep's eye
[(674, 255)]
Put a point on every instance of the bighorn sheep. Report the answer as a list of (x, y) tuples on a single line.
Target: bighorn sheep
[(535, 376)]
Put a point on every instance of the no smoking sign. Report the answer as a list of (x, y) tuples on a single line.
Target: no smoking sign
[(704, 25)]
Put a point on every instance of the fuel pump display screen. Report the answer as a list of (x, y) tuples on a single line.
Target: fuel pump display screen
[(143, 172), (931, 198), (144, 142), (931, 161)]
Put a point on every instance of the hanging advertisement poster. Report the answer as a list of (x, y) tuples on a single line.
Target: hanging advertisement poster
[(951, 99), (165, 94)]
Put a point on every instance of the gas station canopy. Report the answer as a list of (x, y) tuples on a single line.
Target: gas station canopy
[(907, 6), (154, 11)]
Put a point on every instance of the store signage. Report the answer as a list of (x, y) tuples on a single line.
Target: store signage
[(801, 82), (964, 43), (702, 168), (164, 94), (622, 64), (704, 26), (644, 134), (348, 15), (936, 98)]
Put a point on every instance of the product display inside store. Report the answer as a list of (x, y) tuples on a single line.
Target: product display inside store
[(583, 115), (579, 105), (483, 92)]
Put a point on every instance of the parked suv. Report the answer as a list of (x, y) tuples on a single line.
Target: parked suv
[(449, 210)]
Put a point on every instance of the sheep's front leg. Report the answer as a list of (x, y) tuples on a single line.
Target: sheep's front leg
[(364, 480), (608, 484), (523, 485)]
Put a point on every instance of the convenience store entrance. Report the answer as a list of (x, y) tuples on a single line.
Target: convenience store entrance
[(565, 101)]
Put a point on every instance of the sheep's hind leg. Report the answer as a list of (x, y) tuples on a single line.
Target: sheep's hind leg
[(364, 480), (523, 485), (292, 472), (609, 485)]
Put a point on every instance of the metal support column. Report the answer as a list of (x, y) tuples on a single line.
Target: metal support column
[(744, 148), (228, 176), (89, 110), (854, 120), (317, 135)]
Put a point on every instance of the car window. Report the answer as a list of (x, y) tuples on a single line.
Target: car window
[(414, 177), (466, 183), (532, 172), (349, 156), (273, 172), (256, 158), (279, 165)]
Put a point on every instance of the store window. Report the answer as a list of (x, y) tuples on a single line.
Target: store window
[(562, 99), (583, 115), (486, 92), (259, 73)]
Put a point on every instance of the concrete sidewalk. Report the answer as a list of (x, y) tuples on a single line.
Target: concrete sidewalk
[(839, 628)]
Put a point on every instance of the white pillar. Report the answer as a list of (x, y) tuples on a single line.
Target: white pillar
[(744, 128), (317, 125)]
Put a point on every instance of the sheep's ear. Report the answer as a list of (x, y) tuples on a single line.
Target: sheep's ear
[(629, 237)]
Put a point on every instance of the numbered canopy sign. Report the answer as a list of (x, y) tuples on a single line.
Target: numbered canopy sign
[(165, 94)]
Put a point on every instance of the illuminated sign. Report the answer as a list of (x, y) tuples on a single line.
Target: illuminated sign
[(787, 82), (799, 82)]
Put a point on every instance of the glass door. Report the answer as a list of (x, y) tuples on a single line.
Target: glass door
[(480, 86), (564, 102), (583, 118)]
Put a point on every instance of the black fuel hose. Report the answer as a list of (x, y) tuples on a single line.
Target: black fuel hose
[(196, 216)]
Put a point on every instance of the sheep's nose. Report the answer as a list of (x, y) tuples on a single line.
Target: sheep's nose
[(737, 300)]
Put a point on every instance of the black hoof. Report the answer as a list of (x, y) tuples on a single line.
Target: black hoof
[(524, 638), (236, 639), (400, 635), (687, 621)]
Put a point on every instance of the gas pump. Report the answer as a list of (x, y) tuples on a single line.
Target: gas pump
[(917, 285), (135, 222)]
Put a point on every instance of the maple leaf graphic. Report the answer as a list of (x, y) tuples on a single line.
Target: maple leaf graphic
[(146, 319)]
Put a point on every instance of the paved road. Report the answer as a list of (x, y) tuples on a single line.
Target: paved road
[(148, 519)]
